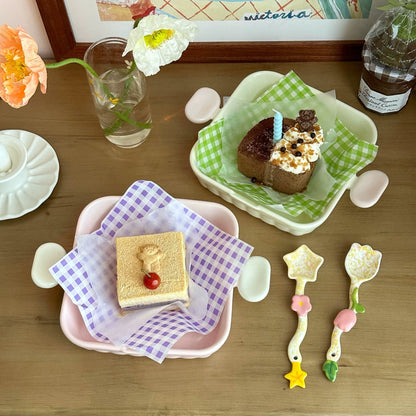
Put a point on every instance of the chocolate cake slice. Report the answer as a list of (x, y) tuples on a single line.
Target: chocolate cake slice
[(287, 164), (255, 149)]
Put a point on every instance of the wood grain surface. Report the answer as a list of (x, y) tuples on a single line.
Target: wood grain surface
[(43, 373)]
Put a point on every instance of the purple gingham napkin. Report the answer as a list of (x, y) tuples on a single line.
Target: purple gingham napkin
[(215, 262)]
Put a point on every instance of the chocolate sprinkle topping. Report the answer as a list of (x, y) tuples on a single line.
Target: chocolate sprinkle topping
[(259, 140)]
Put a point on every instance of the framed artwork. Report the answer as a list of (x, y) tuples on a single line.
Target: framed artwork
[(229, 30)]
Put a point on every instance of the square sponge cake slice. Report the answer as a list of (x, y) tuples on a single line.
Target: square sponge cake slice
[(163, 254)]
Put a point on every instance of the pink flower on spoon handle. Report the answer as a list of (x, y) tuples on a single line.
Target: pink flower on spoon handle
[(301, 304)]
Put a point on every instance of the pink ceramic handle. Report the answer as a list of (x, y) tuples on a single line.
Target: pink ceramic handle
[(368, 188), (203, 105)]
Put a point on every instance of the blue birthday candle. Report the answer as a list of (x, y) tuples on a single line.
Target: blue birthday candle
[(277, 126)]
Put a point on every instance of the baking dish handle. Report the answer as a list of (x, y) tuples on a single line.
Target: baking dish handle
[(203, 106), (45, 257), (367, 188)]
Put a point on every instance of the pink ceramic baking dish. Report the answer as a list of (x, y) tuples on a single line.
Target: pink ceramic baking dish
[(191, 345)]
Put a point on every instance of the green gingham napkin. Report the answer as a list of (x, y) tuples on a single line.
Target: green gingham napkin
[(343, 154)]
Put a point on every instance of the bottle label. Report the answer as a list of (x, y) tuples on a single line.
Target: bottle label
[(381, 103)]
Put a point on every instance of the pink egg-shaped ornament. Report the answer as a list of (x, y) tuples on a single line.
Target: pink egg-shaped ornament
[(345, 320)]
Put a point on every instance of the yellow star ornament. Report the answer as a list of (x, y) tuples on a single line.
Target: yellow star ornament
[(296, 376)]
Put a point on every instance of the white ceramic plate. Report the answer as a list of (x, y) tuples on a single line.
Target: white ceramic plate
[(37, 181)]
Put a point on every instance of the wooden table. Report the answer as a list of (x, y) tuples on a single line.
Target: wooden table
[(43, 373)]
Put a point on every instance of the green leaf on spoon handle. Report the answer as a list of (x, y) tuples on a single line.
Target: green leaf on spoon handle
[(330, 369), (356, 306)]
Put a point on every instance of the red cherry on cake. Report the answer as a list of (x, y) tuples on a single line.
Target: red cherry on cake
[(151, 280)]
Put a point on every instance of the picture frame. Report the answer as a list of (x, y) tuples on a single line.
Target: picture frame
[(64, 45)]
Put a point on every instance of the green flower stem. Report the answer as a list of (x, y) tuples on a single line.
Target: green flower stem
[(83, 64), (122, 117), (72, 61)]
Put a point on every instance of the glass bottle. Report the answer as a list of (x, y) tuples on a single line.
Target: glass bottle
[(389, 60)]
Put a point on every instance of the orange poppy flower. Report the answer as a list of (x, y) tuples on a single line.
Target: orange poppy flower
[(21, 68)]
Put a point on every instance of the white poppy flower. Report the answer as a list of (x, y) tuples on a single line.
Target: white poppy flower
[(159, 40)]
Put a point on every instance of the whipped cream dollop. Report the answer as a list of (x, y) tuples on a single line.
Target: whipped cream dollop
[(297, 149)]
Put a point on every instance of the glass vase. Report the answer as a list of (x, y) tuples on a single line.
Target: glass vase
[(119, 93)]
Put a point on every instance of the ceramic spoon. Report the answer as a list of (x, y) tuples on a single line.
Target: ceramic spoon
[(362, 264), (303, 265)]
